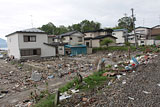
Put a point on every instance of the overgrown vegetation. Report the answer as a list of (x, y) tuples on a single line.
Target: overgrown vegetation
[(106, 42)]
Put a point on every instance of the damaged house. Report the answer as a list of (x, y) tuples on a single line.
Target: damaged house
[(29, 43), (70, 43)]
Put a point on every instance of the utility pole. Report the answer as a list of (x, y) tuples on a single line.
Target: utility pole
[(133, 21)]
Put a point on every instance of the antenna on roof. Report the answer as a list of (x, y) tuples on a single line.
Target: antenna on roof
[(143, 21), (31, 21), (159, 19)]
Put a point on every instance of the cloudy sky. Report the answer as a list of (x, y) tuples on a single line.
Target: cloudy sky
[(17, 14)]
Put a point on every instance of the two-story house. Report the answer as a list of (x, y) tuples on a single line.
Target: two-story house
[(29, 43), (73, 43), (93, 38), (121, 35)]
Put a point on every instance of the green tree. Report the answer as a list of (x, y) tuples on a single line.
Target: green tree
[(126, 22), (106, 42), (48, 28)]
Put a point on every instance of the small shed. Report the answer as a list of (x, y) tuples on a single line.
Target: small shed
[(75, 50)]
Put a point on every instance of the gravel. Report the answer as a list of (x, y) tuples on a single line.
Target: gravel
[(142, 89)]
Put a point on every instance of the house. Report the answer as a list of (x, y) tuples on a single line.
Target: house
[(74, 42), (95, 33), (29, 43), (155, 31), (51, 38), (121, 35), (93, 38), (95, 42)]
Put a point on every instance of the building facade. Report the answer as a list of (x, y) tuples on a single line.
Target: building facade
[(29, 43)]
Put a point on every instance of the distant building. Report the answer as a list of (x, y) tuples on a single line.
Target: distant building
[(73, 43), (121, 35), (155, 31), (29, 43), (93, 38)]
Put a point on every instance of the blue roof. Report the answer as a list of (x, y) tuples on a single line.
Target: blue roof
[(120, 30), (71, 46)]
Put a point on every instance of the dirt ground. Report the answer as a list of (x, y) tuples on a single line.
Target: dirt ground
[(136, 89), (15, 79)]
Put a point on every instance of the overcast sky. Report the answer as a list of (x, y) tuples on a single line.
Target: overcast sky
[(16, 14)]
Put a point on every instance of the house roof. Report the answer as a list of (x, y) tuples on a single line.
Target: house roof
[(88, 38), (120, 30), (142, 27), (104, 36), (71, 46), (55, 44), (157, 26), (99, 30), (69, 33), (51, 35), (31, 30), (100, 37)]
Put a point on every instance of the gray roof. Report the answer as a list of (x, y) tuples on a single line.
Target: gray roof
[(68, 33), (31, 30)]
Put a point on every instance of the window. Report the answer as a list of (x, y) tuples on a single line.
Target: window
[(29, 38), (113, 33), (53, 39), (142, 41), (87, 44), (30, 52), (79, 39), (70, 38)]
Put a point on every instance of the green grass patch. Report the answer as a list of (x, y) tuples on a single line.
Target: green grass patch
[(46, 102), (96, 79), (113, 48)]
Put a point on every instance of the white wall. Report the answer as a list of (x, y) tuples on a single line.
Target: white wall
[(13, 47), (119, 35), (146, 42), (40, 39), (75, 39), (96, 43), (61, 50)]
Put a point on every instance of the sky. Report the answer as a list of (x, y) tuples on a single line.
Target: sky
[(23, 14)]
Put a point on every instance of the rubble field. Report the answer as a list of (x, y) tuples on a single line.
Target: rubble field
[(18, 80), (139, 88)]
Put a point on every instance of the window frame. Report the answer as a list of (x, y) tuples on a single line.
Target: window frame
[(27, 38)]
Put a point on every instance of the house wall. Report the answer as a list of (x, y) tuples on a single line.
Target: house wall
[(145, 42), (89, 41), (46, 51), (144, 31), (66, 39), (13, 46), (119, 35), (75, 38), (61, 50), (50, 39), (96, 43)]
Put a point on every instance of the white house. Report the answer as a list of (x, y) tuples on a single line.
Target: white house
[(29, 43), (121, 35)]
